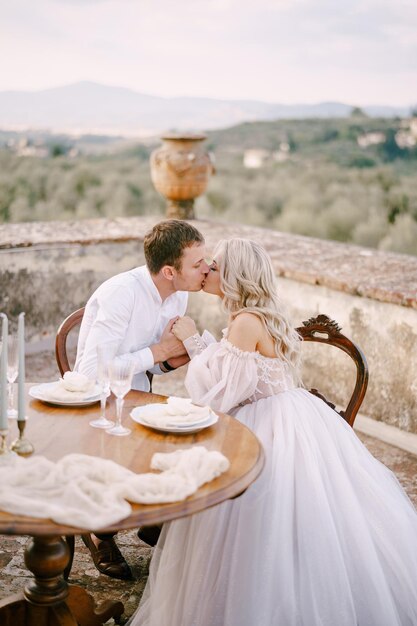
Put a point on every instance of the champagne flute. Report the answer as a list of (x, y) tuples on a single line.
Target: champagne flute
[(121, 374), (105, 353), (12, 370)]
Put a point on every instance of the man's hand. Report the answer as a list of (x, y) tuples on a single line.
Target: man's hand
[(168, 328), (178, 361), (168, 346), (183, 328)]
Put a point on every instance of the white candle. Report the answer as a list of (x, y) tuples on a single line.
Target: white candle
[(21, 411), (3, 373)]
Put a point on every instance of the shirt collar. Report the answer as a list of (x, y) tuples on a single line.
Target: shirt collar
[(153, 288), (156, 296)]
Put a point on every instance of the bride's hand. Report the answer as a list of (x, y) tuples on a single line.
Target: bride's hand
[(183, 328)]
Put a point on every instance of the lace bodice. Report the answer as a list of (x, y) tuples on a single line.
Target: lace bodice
[(272, 373), (224, 376)]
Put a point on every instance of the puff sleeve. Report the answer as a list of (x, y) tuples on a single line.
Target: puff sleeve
[(222, 376)]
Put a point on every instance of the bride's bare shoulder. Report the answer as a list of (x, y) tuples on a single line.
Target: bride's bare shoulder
[(245, 331), (247, 319)]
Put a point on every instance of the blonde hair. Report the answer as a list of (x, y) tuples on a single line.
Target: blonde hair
[(248, 284)]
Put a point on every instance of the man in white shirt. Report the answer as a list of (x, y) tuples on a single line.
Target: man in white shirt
[(136, 310)]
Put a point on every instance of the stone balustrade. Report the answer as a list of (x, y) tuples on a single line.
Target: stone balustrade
[(49, 269)]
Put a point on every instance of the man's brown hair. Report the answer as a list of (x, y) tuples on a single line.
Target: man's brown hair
[(165, 243)]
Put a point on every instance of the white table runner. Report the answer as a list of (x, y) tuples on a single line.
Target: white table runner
[(92, 493)]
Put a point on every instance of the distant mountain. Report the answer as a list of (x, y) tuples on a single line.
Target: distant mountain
[(91, 107)]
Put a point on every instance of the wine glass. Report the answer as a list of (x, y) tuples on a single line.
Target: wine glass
[(121, 373), (12, 370), (105, 353)]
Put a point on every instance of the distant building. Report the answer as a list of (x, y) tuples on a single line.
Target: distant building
[(41, 152), (371, 139), (255, 158), (26, 147), (405, 139), (407, 136)]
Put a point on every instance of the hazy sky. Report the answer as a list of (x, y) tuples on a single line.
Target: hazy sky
[(355, 51)]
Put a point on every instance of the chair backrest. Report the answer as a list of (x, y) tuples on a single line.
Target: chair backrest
[(70, 322), (63, 331), (324, 330)]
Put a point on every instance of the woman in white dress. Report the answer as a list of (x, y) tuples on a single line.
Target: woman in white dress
[(326, 536)]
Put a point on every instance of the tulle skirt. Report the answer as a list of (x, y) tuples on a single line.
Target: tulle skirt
[(325, 537)]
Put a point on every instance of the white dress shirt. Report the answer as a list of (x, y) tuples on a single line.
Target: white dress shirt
[(128, 310)]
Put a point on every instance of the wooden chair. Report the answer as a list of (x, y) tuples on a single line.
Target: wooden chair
[(72, 321), (324, 330), (63, 331)]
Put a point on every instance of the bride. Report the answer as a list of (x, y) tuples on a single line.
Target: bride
[(326, 536)]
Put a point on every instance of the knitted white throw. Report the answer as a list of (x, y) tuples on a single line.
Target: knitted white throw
[(92, 493)]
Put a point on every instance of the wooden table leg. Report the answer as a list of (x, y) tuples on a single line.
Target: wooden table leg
[(47, 599)]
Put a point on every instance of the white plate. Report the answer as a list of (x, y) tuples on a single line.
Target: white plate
[(139, 413), (40, 392)]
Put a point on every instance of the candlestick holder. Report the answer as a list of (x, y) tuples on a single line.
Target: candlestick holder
[(3, 446), (21, 445)]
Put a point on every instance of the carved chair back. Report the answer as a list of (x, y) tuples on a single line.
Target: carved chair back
[(324, 330)]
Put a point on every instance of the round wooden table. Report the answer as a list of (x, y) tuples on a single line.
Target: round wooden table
[(56, 431)]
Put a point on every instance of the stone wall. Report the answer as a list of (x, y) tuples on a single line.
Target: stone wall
[(48, 270)]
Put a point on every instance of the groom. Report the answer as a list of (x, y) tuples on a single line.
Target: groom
[(136, 309)]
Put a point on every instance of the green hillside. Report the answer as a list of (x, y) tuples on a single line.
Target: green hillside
[(351, 179)]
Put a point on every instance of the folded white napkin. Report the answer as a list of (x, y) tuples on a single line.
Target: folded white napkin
[(73, 387), (175, 412), (92, 493), (74, 381)]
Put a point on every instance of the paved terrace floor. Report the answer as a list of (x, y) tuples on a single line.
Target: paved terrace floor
[(13, 574)]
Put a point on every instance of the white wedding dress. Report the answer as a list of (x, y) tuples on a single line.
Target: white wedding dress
[(324, 537)]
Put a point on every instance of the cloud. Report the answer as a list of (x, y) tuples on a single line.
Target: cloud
[(279, 50), (85, 3)]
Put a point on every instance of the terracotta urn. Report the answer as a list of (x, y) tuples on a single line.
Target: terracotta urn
[(180, 171)]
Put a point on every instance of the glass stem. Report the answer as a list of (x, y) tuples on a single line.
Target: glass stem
[(103, 398), (119, 407)]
